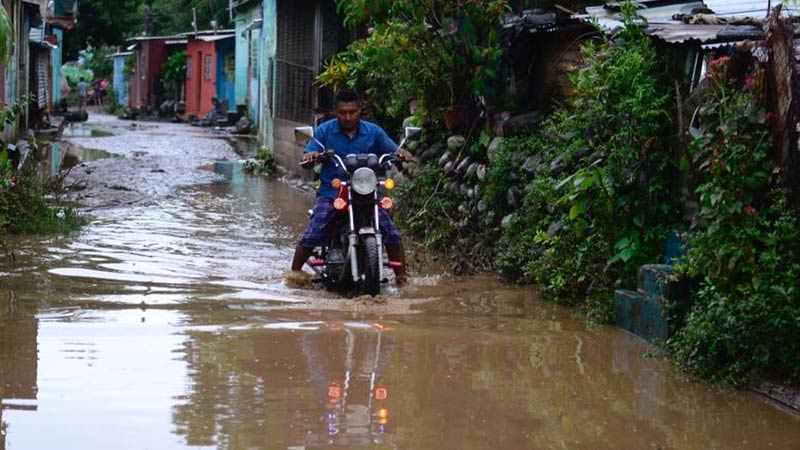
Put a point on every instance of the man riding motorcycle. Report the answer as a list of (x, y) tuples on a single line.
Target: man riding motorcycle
[(347, 134)]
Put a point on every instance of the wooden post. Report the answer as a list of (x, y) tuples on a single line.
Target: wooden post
[(782, 97)]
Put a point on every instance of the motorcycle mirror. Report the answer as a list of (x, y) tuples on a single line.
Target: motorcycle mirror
[(412, 131), (303, 134)]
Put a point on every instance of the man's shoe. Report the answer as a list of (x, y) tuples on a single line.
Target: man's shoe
[(401, 280)]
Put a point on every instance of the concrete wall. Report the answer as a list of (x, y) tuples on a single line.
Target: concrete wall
[(286, 150), (267, 78)]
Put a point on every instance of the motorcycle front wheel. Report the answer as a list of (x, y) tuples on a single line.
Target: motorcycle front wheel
[(372, 281)]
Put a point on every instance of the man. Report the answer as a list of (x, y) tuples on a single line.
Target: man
[(82, 94), (347, 134)]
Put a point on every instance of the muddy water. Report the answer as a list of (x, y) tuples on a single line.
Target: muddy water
[(166, 324)]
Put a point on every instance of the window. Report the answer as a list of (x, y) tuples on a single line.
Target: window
[(188, 67), (207, 67)]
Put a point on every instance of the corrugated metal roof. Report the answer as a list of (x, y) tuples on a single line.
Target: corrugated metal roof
[(215, 37), (679, 32), (661, 25), (756, 9)]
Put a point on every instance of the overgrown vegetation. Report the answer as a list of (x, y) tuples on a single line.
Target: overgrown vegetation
[(24, 205), (601, 205), (578, 206), (745, 247)]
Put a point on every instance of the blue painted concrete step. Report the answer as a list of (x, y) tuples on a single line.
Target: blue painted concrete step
[(640, 314), (656, 307)]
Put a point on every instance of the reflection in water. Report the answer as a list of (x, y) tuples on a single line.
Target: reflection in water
[(18, 359), (323, 380)]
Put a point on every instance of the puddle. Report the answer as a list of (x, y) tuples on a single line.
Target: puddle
[(76, 155), (82, 130)]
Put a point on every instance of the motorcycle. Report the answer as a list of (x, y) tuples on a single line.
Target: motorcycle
[(353, 260)]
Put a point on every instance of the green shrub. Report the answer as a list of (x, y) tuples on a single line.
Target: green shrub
[(745, 246)]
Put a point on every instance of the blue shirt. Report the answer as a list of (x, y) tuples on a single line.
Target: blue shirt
[(370, 138)]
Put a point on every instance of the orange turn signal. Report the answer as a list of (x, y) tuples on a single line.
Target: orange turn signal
[(340, 203), (387, 203), (383, 413), (336, 183), (389, 184)]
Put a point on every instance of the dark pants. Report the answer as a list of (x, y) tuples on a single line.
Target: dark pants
[(324, 215)]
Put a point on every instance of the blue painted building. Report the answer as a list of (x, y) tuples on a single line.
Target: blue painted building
[(121, 80), (248, 19)]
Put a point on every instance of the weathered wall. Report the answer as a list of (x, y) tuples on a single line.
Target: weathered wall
[(200, 84), (286, 151)]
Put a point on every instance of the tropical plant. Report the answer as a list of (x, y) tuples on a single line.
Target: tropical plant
[(745, 245), (175, 71), (436, 53), (6, 36)]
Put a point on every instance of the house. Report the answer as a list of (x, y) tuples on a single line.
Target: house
[(298, 37), (146, 89), (210, 71), (121, 76), (248, 19), (34, 68), (687, 32)]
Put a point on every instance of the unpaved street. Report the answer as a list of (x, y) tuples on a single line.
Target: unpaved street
[(166, 323)]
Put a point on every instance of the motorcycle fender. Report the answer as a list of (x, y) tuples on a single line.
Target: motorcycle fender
[(366, 231)]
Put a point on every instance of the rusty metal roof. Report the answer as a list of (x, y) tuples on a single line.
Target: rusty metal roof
[(741, 9), (680, 32), (660, 23)]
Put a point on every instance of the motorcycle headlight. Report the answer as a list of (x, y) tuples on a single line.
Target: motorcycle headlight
[(364, 181)]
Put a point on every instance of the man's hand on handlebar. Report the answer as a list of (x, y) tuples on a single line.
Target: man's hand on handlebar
[(309, 158), (405, 155)]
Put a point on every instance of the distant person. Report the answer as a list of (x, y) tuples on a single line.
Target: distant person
[(103, 90), (82, 86), (96, 101)]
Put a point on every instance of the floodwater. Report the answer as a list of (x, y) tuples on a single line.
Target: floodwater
[(166, 324)]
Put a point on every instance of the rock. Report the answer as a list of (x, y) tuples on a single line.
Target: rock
[(456, 142), (448, 167), (581, 153), (506, 222), (462, 166), (455, 188), (445, 158), (471, 193), (554, 228), (494, 146), (243, 125), (531, 164), (481, 172), (490, 218), (464, 189), (482, 206), (523, 124), (557, 165), (429, 154), (478, 191), (471, 170)]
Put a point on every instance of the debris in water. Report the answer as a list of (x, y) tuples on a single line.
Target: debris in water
[(297, 278), (370, 300)]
